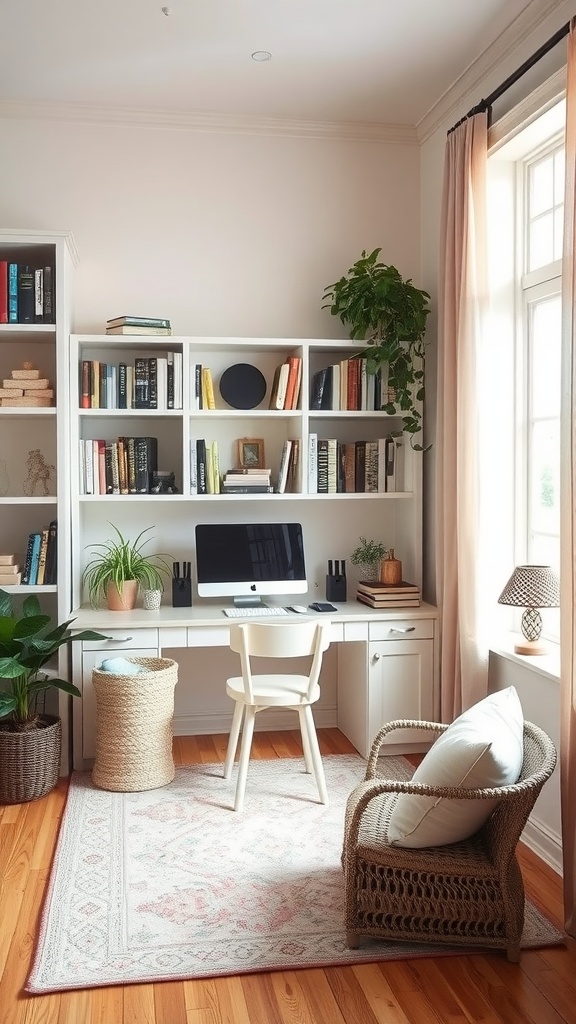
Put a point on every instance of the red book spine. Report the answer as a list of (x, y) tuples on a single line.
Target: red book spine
[(353, 381)]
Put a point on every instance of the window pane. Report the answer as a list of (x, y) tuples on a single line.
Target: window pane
[(545, 352), (541, 242), (544, 475), (558, 229), (543, 550), (559, 166), (541, 186)]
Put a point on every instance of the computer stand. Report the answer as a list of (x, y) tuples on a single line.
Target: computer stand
[(248, 601)]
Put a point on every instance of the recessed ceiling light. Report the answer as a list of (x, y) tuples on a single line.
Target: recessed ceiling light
[(261, 55)]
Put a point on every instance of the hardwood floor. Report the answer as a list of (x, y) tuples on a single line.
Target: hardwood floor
[(480, 988)]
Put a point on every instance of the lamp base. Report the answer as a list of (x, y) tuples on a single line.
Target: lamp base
[(531, 647)]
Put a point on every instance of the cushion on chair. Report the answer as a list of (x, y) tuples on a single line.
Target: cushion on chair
[(481, 748)]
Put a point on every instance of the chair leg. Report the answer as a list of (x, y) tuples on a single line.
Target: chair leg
[(305, 742), (233, 739), (315, 754), (247, 733)]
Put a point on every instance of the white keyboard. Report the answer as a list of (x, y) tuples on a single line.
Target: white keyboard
[(253, 612)]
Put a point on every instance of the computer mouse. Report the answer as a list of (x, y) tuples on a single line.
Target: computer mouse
[(299, 608)]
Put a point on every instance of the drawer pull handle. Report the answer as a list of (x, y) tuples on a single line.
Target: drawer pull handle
[(120, 639), (403, 629)]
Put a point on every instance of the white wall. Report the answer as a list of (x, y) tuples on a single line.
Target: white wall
[(226, 234)]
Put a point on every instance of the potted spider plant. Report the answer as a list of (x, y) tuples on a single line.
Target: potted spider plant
[(119, 567), (388, 312), (30, 740)]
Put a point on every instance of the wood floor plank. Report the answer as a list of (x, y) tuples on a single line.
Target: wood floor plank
[(42, 1009), (260, 999), (319, 996), (379, 995), (445, 977), (169, 1003), (223, 998), (106, 1005), (416, 1004), (349, 995), (138, 1004)]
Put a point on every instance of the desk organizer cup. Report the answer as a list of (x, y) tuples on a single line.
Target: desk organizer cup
[(181, 593)]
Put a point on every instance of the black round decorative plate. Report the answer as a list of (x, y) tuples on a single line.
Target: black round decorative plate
[(243, 386)]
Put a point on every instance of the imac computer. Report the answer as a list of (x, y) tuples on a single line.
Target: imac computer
[(248, 561)]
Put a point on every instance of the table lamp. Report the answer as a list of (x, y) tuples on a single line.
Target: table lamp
[(532, 587)]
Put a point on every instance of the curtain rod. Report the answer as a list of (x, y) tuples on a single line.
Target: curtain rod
[(514, 77)]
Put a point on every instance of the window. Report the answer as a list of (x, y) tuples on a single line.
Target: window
[(526, 201)]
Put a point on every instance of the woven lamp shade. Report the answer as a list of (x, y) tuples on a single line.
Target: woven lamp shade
[(532, 586)]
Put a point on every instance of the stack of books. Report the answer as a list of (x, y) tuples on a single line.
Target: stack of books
[(10, 573), (247, 481), (138, 325), (387, 595)]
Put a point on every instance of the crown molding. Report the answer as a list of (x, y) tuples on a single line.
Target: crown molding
[(468, 88), (209, 123)]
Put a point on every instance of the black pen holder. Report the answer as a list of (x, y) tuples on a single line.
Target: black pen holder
[(335, 588), (181, 593)]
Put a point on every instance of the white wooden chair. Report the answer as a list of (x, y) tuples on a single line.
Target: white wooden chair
[(253, 693)]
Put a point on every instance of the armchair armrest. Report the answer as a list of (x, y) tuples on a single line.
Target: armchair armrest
[(390, 727)]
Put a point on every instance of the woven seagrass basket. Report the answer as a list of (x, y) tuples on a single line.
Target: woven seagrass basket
[(134, 726), (30, 762)]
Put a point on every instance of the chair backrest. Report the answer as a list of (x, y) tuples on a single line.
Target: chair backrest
[(504, 828), (280, 640)]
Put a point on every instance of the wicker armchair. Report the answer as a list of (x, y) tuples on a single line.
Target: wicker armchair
[(469, 893)]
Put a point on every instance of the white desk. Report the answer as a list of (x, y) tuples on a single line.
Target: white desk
[(387, 663)]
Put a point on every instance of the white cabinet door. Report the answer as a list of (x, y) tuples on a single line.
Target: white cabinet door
[(401, 685), (90, 659), (380, 681)]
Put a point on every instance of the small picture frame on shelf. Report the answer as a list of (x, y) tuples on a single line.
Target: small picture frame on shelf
[(251, 453)]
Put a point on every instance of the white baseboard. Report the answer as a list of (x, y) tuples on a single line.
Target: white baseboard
[(544, 843), (278, 721)]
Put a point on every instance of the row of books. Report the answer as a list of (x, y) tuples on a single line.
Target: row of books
[(388, 595), (125, 465), (40, 562), (205, 476), (26, 294), (356, 467), (347, 385), (247, 481), (285, 391), (149, 325), (151, 382)]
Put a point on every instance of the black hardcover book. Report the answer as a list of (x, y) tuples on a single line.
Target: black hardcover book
[(317, 389), (108, 458), (201, 462), (146, 462), (48, 296), (170, 381), (360, 474), (50, 572), (25, 295), (122, 386), (153, 382), (141, 383), (322, 465), (131, 443), (326, 397)]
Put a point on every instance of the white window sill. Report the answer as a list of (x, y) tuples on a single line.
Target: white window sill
[(544, 664)]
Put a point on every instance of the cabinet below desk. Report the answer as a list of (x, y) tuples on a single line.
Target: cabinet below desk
[(384, 666)]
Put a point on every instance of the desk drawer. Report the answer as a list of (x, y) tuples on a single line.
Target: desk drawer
[(123, 639), (402, 629)]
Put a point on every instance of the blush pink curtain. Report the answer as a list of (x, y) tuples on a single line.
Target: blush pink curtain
[(568, 507), (462, 300)]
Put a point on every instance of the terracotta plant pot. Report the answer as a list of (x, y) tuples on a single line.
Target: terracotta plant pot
[(122, 600)]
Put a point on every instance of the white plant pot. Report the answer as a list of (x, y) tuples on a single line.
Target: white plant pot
[(151, 600)]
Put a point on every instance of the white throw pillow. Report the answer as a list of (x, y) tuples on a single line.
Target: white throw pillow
[(483, 747)]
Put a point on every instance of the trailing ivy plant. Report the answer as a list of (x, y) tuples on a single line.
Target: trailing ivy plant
[(381, 307)]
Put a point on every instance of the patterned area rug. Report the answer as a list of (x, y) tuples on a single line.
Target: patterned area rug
[(171, 883)]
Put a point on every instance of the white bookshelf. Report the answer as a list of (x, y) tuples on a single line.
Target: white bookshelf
[(332, 523)]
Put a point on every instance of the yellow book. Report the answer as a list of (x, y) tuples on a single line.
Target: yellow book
[(207, 389), (210, 467), (216, 460)]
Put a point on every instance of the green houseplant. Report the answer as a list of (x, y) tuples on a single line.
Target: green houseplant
[(381, 307), (368, 556), (119, 567), (29, 739)]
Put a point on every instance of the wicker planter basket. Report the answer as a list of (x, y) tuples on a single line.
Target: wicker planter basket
[(134, 726), (30, 762)]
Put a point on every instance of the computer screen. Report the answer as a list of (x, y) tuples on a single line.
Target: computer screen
[(250, 560)]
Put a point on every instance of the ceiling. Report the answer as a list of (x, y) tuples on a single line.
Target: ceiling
[(369, 61)]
